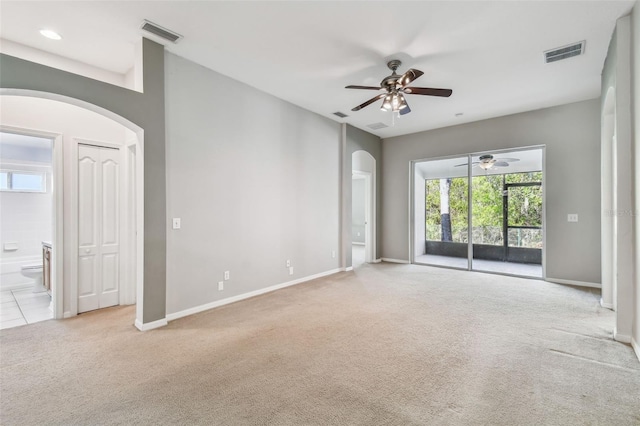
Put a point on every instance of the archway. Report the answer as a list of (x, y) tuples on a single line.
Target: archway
[(63, 293), (363, 167)]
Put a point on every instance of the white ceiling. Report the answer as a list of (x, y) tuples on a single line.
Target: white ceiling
[(529, 160), (489, 53)]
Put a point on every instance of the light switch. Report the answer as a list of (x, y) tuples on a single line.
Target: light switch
[(572, 217), (226, 275), (220, 285), (288, 263), (176, 223)]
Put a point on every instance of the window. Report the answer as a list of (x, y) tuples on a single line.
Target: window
[(22, 181)]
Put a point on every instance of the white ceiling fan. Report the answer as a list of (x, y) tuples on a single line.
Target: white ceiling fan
[(488, 162)]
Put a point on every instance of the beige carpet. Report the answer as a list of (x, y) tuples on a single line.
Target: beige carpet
[(384, 345)]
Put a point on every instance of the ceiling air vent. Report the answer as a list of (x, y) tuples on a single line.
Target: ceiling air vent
[(340, 114), (377, 126), (161, 32), (564, 52)]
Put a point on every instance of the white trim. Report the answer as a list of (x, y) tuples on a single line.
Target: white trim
[(606, 305), (636, 347), (573, 282), (377, 261), (67, 314), (623, 338), (150, 325), (348, 269), (388, 259), (233, 299), (357, 243)]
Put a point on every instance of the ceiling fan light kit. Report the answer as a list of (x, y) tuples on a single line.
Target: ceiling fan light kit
[(487, 162), (396, 87)]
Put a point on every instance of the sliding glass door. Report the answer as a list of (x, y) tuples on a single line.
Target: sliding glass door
[(502, 232), (442, 187)]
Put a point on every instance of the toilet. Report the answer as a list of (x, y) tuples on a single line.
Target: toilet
[(34, 271)]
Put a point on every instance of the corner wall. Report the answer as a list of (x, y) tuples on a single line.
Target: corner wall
[(635, 123), (571, 134)]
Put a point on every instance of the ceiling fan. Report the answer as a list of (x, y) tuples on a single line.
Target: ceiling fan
[(396, 87), (488, 162)]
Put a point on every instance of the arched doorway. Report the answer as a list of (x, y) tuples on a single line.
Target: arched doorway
[(64, 269), (363, 199)]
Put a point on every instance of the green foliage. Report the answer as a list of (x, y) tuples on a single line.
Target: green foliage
[(457, 208), (524, 209)]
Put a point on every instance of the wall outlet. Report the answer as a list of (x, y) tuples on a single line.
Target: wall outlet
[(220, 285), (227, 275), (333, 254), (176, 223), (288, 263), (572, 217), (291, 270)]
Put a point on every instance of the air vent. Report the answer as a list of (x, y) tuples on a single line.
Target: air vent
[(161, 32), (377, 126), (340, 114), (564, 52)]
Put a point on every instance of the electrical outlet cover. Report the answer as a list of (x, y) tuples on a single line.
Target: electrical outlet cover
[(220, 285)]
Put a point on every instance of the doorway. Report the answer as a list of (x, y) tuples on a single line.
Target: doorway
[(77, 126), (27, 226), (363, 208), (482, 212)]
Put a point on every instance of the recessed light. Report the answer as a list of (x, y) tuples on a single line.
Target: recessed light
[(51, 34)]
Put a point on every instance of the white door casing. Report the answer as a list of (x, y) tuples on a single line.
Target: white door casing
[(99, 198)]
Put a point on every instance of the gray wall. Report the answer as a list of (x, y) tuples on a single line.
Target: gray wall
[(145, 110), (571, 134), (635, 122), (357, 210), (356, 140), (255, 180)]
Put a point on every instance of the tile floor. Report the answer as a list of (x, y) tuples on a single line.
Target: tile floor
[(22, 306)]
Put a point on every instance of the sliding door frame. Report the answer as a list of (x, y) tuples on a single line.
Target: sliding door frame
[(504, 151)]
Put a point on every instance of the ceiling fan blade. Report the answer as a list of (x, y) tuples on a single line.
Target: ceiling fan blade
[(369, 102), (445, 93), (409, 76), (500, 164), (465, 164), (363, 87), (509, 160)]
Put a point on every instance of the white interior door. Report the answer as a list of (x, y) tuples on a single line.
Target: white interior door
[(98, 227)]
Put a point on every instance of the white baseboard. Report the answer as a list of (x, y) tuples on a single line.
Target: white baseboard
[(348, 269), (387, 259), (636, 347), (377, 261), (67, 314), (357, 243), (606, 305), (150, 325), (624, 338), (573, 282), (233, 299)]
